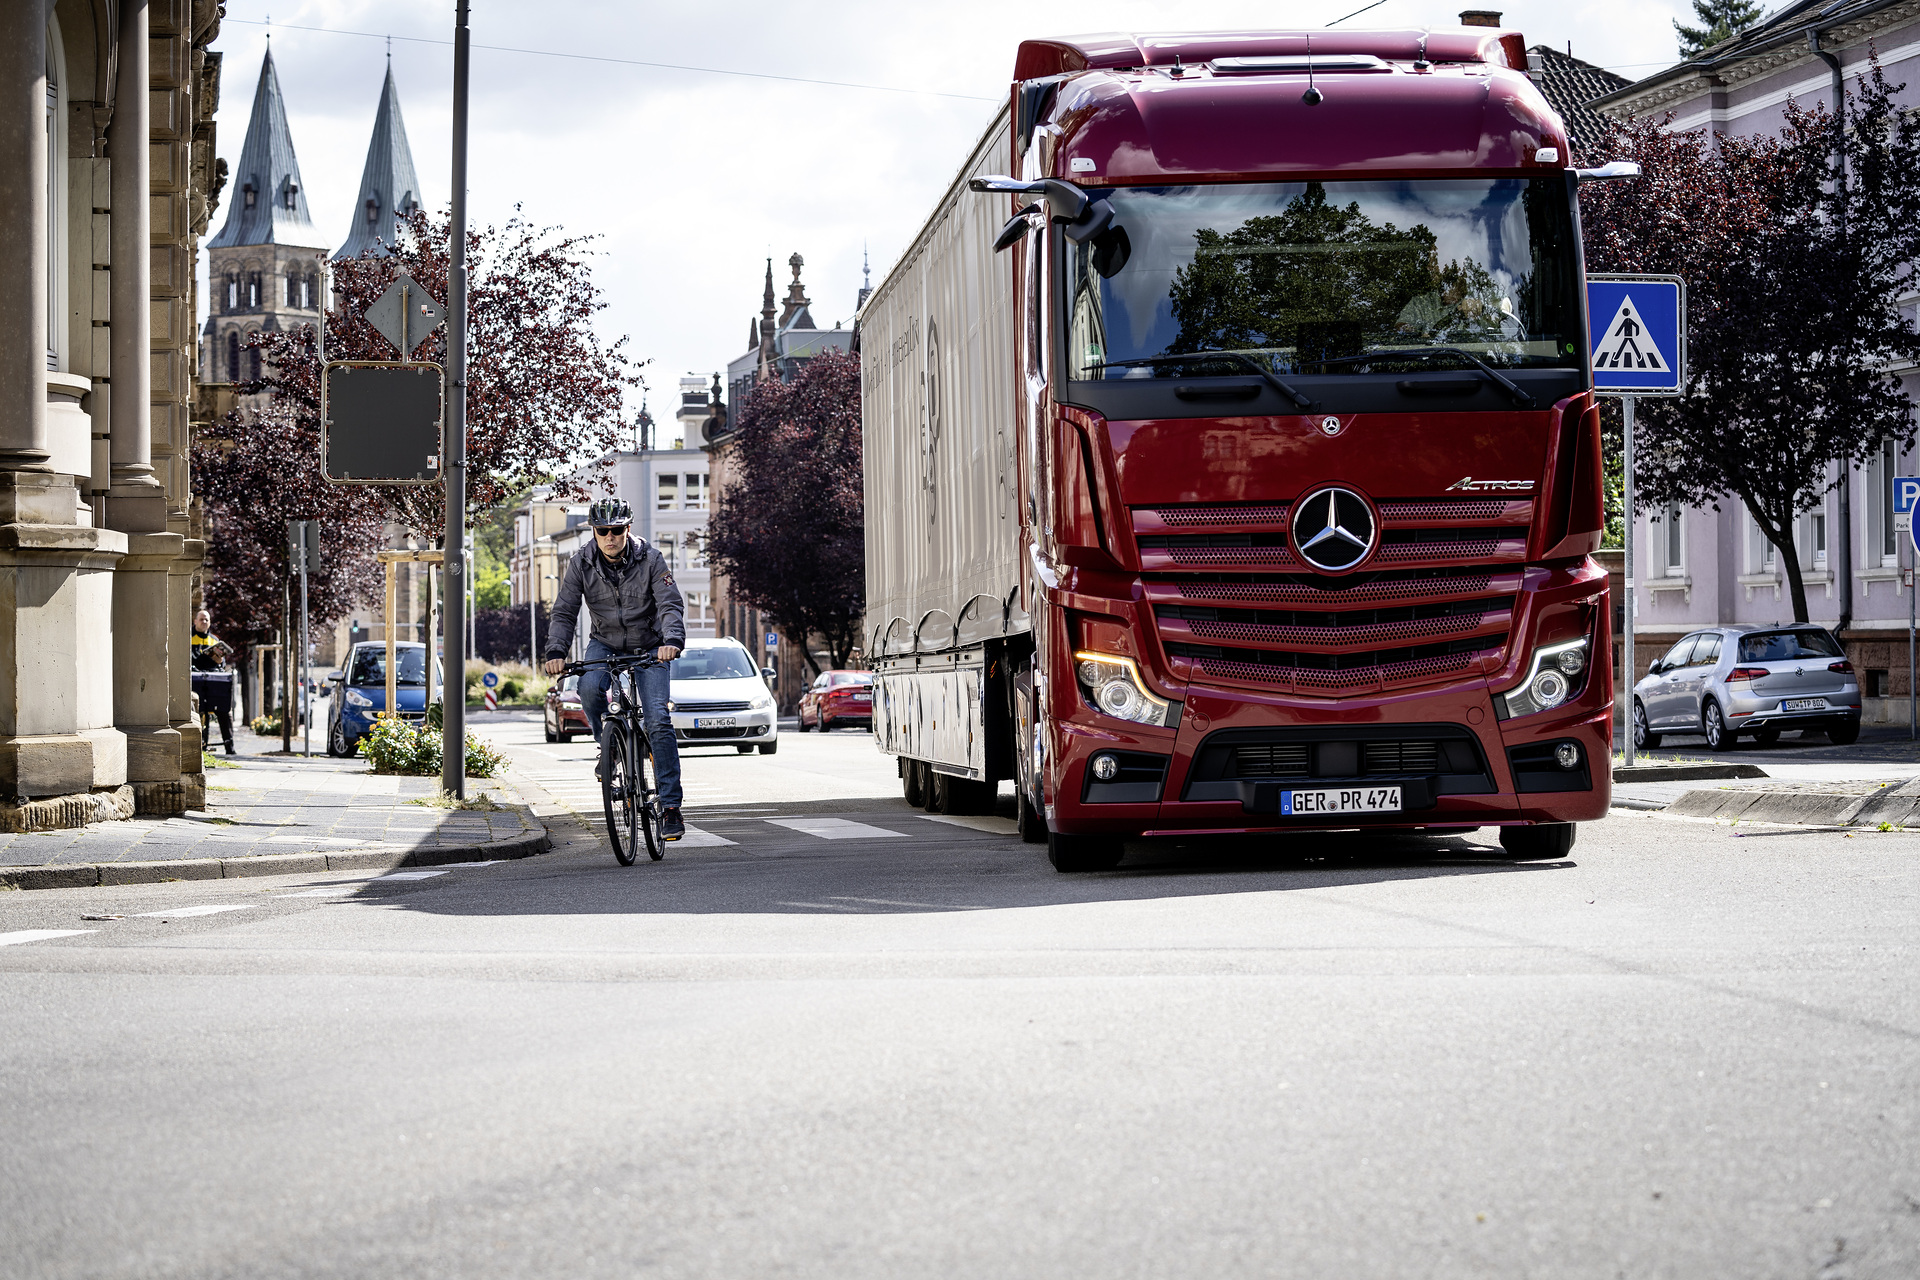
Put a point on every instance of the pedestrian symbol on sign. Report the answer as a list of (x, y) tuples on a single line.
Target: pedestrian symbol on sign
[(1625, 344)]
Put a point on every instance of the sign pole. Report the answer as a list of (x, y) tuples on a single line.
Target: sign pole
[(453, 710), (306, 696), (1626, 542), (1913, 725)]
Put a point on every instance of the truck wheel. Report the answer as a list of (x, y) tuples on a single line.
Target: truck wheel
[(1542, 842), (940, 795), (1083, 853), (1032, 821), (913, 783)]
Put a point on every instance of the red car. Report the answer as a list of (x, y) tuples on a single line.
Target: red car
[(837, 698), (563, 716)]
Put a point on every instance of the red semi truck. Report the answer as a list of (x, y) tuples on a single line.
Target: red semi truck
[(1232, 459)]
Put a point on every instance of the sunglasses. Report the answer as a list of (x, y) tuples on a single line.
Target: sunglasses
[(610, 531)]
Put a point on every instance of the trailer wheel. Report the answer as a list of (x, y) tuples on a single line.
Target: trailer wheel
[(1083, 853), (1542, 842), (939, 791), (913, 783)]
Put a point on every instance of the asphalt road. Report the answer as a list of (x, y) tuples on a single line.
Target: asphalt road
[(872, 1044)]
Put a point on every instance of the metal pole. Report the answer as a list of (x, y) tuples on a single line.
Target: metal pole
[(1626, 541), (306, 697), (1913, 580), (453, 751), (388, 708), (286, 666)]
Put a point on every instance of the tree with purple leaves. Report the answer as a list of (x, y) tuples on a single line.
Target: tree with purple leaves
[(1794, 269), (545, 399), (789, 531)]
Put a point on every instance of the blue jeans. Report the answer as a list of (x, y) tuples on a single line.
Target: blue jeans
[(655, 686)]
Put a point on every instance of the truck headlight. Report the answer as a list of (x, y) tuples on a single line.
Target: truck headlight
[(355, 698), (1556, 673), (1114, 687)]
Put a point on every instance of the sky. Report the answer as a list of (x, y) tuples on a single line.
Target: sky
[(691, 179)]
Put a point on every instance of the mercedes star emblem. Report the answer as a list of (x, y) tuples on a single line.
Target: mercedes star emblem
[(1333, 529), (1329, 426)]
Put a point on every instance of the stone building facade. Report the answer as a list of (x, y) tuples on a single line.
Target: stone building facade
[(1699, 566), (107, 181)]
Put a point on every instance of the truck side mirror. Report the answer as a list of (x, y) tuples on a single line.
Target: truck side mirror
[(1608, 172)]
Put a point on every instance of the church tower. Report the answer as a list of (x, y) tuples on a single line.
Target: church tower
[(388, 185), (263, 269)]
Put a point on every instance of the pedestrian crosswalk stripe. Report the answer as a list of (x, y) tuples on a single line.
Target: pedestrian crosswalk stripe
[(181, 913), (698, 838), (38, 935), (835, 829)]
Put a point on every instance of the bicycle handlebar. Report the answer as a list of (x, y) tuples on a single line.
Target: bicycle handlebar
[(619, 659)]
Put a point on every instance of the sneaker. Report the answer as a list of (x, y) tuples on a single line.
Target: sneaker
[(671, 828)]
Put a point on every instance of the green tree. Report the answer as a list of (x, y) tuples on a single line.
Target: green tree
[(1719, 20)]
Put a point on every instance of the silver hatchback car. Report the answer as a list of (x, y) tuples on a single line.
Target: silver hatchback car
[(1726, 681)]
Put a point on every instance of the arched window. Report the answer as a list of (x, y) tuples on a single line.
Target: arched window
[(253, 364), (293, 195), (233, 355), (253, 291), (233, 292), (248, 192), (373, 209)]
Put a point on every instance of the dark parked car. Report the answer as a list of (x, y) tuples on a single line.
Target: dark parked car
[(1726, 681), (564, 716), (361, 692), (838, 698)]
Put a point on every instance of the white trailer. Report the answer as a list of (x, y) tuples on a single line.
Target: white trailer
[(938, 397)]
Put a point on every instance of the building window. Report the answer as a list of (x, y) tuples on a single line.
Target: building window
[(699, 609), (293, 195), (696, 556), (1675, 561), (697, 492), (247, 194), (233, 355), (373, 209), (1759, 550), (1817, 539), (669, 499), (668, 546), (253, 291), (233, 293), (253, 364), (1880, 474)]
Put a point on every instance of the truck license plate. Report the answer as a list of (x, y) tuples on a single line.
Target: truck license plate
[(1804, 704), (1341, 800), (714, 722)]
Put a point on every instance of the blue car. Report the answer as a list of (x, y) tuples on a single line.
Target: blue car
[(360, 692)]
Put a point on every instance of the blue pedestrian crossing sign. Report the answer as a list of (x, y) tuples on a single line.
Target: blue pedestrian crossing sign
[(1637, 334)]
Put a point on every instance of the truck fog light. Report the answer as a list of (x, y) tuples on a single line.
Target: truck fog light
[(1573, 661), (1549, 689), (1567, 755), (1105, 767)]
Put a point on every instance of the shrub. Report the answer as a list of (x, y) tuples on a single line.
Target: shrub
[(393, 746), (510, 690)]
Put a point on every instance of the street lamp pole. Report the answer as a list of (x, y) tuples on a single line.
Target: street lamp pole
[(453, 718)]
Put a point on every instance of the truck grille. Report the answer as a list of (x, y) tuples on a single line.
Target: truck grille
[(1435, 604)]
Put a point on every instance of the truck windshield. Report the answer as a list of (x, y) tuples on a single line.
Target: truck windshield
[(1300, 274)]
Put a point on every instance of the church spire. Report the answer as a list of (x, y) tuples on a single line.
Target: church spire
[(866, 280), (388, 184), (794, 315), (269, 205)]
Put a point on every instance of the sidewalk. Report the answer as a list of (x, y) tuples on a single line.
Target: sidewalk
[(278, 815)]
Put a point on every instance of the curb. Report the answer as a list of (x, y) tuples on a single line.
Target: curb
[(91, 875), (1897, 805), (1685, 772)]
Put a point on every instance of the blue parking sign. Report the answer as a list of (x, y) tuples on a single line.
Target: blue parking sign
[(1637, 334), (1906, 490)]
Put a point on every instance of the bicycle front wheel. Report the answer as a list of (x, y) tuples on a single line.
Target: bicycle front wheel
[(644, 812), (617, 793)]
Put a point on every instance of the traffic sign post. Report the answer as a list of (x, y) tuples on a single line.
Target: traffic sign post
[(1906, 493), (489, 680), (303, 554), (1637, 346)]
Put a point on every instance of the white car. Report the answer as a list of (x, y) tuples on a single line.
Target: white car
[(721, 699)]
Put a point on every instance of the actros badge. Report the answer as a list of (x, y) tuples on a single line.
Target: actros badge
[(1333, 529), (1470, 485)]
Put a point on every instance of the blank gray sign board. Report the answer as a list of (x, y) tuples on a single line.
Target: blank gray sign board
[(381, 422)]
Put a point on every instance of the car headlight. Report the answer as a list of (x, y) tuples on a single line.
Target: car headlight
[(1557, 673), (760, 703), (1114, 687), (355, 698)]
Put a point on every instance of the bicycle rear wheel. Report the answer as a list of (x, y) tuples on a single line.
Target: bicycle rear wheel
[(617, 793), (644, 812)]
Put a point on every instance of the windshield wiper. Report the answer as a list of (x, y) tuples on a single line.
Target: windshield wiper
[(1199, 356), (1512, 388)]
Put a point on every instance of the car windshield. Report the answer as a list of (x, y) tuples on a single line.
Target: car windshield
[(717, 662), (370, 666), (1786, 646), (1296, 274)]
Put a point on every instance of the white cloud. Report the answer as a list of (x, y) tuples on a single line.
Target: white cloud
[(695, 179)]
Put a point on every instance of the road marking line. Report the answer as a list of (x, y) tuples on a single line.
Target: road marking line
[(991, 825), (38, 935), (183, 912), (697, 838), (835, 829), (331, 891), (409, 875)]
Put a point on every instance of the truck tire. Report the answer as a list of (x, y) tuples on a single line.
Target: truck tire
[(940, 797), (913, 783), (1542, 842), (1083, 853)]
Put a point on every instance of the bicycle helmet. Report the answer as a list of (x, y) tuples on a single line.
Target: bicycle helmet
[(609, 511)]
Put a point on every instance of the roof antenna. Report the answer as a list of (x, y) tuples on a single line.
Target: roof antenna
[(1312, 97), (1178, 70), (1420, 63)]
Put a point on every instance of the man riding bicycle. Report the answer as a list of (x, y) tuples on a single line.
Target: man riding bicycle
[(637, 609)]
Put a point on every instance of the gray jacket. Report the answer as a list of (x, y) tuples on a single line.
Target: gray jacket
[(636, 607)]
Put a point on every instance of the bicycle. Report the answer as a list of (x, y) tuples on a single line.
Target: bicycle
[(626, 762)]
